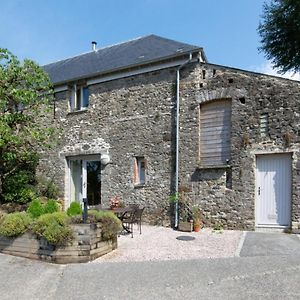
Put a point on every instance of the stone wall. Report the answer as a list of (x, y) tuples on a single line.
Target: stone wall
[(251, 94), (135, 116)]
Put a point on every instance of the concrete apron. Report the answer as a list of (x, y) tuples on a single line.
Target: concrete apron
[(267, 243)]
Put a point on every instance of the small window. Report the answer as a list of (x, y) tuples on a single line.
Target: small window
[(79, 98), (264, 124), (139, 176)]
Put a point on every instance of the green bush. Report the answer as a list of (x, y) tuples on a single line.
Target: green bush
[(54, 228), (14, 224), (35, 209), (111, 224), (74, 209), (51, 207), (46, 187)]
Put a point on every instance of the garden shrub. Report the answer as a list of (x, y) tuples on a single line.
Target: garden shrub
[(54, 228), (35, 209), (12, 225), (111, 224), (74, 209), (51, 207), (46, 188)]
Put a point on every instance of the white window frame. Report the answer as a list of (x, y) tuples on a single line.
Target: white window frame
[(140, 176), (75, 103)]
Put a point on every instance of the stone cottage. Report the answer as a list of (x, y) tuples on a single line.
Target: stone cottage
[(145, 118)]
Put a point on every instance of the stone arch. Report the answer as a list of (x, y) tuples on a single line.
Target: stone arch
[(206, 95)]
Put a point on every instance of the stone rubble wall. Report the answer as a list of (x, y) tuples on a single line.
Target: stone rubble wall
[(135, 116)]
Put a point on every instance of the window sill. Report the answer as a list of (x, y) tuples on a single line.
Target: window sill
[(203, 167), (139, 186), (74, 112)]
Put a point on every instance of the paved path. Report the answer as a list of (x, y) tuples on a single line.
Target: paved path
[(274, 277), (270, 269), (266, 244)]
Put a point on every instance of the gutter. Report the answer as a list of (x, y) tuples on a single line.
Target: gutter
[(177, 138)]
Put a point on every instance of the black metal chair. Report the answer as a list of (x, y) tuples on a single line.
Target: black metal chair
[(138, 217), (129, 218)]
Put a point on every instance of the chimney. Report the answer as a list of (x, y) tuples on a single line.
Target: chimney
[(94, 44)]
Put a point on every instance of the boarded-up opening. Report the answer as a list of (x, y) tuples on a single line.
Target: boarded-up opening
[(215, 132)]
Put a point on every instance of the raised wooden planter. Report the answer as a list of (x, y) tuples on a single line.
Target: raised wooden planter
[(86, 246), (185, 226)]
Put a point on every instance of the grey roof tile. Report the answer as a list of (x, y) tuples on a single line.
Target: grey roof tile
[(135, 52)]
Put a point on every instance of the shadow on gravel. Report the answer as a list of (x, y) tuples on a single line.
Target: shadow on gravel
[(264, 244)]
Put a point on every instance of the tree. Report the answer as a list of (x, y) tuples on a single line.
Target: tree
[(280, 34), (25, 99)]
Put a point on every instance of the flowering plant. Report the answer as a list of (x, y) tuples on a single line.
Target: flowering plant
[(115, 202)]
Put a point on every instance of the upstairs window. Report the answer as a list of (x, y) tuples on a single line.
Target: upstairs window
[(139, 172), (79, 98)]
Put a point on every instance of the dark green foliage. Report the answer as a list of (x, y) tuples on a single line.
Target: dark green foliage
[(12, 225), (18, 186), (280, 34), (51, 206), (111, 224), (54, 228), (74, 209), (25, 99), (35, 209), (46, 188)]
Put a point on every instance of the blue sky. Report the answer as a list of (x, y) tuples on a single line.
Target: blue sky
[(46, 31)]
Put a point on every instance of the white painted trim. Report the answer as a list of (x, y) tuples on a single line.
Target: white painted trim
[(60, 88), (137, 71), (123, 74)]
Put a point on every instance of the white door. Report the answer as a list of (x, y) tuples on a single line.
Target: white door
[(85, 179), (273, 190)]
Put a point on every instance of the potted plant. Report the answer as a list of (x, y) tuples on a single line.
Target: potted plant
[(115, 202), (197, 218)]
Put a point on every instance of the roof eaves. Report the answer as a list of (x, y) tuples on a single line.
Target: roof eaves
[(161, 59)]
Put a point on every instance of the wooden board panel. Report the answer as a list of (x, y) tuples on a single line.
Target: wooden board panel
[(215, 132)]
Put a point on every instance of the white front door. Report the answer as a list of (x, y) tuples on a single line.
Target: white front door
[(273, 190), (85, 179)]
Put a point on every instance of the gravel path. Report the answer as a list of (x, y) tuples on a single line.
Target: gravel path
[(160, 243)]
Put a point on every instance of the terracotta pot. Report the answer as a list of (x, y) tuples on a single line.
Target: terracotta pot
[(197, 228)]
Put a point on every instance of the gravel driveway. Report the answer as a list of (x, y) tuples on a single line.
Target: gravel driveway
[(160, 243)]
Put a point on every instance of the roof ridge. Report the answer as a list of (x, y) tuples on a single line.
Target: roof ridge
[(105, 47)]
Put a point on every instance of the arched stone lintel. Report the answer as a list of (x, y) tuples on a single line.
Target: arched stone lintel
[(220, 93)]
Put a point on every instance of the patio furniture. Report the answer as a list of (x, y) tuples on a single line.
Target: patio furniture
[(134, 217), (138, 217), (125, 214)]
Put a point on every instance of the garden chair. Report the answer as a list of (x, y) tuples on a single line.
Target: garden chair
[(138, 217)]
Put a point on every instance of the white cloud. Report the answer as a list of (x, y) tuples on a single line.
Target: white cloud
[(267, 68)]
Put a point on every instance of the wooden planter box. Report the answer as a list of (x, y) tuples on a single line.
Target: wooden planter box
[(185, 226), (86, 246)]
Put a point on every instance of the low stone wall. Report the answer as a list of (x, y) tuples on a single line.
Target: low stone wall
[(86, 246)]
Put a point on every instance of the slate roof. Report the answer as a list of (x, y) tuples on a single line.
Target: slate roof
[(135, 52)]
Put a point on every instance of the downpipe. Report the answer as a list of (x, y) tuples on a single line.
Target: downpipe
[(178, 139)]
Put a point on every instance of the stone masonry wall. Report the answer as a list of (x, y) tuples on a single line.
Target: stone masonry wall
[(135, 116), (250, 94)]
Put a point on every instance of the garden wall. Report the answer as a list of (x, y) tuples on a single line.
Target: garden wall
[(86, 246)]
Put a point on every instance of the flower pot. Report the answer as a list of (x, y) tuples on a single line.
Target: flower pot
[(197, 228)]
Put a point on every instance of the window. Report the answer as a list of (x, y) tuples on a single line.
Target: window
[(215, 133), (79, 98), (139, 172), (264, 124)]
